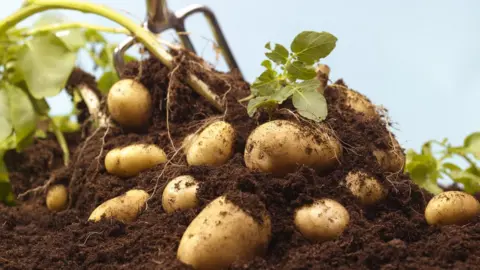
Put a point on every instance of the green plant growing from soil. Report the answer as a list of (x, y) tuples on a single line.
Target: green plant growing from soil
[(291, 75), (435, 161), (50, 48)]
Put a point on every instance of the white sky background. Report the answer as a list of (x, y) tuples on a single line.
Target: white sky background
[(420, 59)]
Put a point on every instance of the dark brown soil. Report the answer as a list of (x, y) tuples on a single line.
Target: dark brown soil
[(391, 235)]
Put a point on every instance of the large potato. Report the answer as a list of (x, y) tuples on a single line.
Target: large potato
[(367, 189), (131, 160), (129, 103), (280, 146), (124, 208), (451, 207), (180, 193), (57, 197), (221, 234), (359, 103), (213, 146), (324, 220)]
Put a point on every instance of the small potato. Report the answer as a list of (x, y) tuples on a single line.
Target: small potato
[(391, 160), (129, 103), (280, 147), (359, 103), (213, 146), (180, 193), (221, 234), (324, 220), (131, 160), (124, 208), (451, 207), (367, 189), (57, 197)]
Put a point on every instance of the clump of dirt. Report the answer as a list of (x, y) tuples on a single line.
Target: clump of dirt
[(390, 235)]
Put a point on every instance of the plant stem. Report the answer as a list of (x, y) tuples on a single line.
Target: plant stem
[(61, 140), (68, 26), (147, 38)]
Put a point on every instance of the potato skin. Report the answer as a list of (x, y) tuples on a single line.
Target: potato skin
[(367, 189), (392, 160), (359, 103), (57, 197), (180, 194), (280, 146), (131, 160), (324, 220), (221, 234), (451, 207), (124, 208), (129, 103), (213, 146)]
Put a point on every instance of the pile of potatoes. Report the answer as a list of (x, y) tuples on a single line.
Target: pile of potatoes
[(222, 232)]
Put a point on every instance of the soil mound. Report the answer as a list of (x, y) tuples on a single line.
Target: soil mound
[(390, 235)]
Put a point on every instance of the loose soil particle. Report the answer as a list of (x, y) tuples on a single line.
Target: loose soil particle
[(390, 235)]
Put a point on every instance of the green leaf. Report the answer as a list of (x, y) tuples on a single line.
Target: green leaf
[(266, 84), (268, 46), (309, 46), (470, 181), (267, 64), (427, 148), (22, 112), (94, 36), (423, 171), (46, 64), (472, 144), (74, 39), (283, 94), (278, 55), (5, 121), (260, 102), (451, 167), (299, 70), (309, 102), (106, 81)]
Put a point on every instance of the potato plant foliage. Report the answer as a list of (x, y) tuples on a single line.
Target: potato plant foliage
[(428, 166), (35, 64), (291, 74)]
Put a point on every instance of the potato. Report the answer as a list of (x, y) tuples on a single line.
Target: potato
[(129, 103), (221, 234), (324, 220), (359, 103), (124, 208), (57, 197), (131, 160), (280, 147), (213, 146), (367, 189), (392, 160), (451, 207), (180, 193)]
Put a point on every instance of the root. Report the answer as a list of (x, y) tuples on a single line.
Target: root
[(169, 91), (101, 152), (39, 189), (88, 236), (74, 174)]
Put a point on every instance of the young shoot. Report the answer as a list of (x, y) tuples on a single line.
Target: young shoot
[(292, 75)]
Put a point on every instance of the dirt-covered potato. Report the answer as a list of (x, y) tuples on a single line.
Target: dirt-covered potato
[(221, 234), (366, 188), (131, 160), (391, 160), (280, 147), (180, 193), (57, 198), (359, 103), (323, 220), (213, 146), (124, 208), (451, 207), (129, 103)]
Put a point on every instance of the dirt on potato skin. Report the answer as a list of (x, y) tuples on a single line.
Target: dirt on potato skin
[(391, 235)]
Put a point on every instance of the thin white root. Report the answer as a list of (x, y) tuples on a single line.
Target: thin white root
[(93, 104), (169, 91), (39, 189)]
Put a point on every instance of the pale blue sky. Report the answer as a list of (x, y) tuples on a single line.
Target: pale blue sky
[(420, 59)]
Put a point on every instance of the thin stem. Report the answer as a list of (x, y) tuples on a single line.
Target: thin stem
[(61, 140), (251, 96), (68, 26), (144, 36)]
